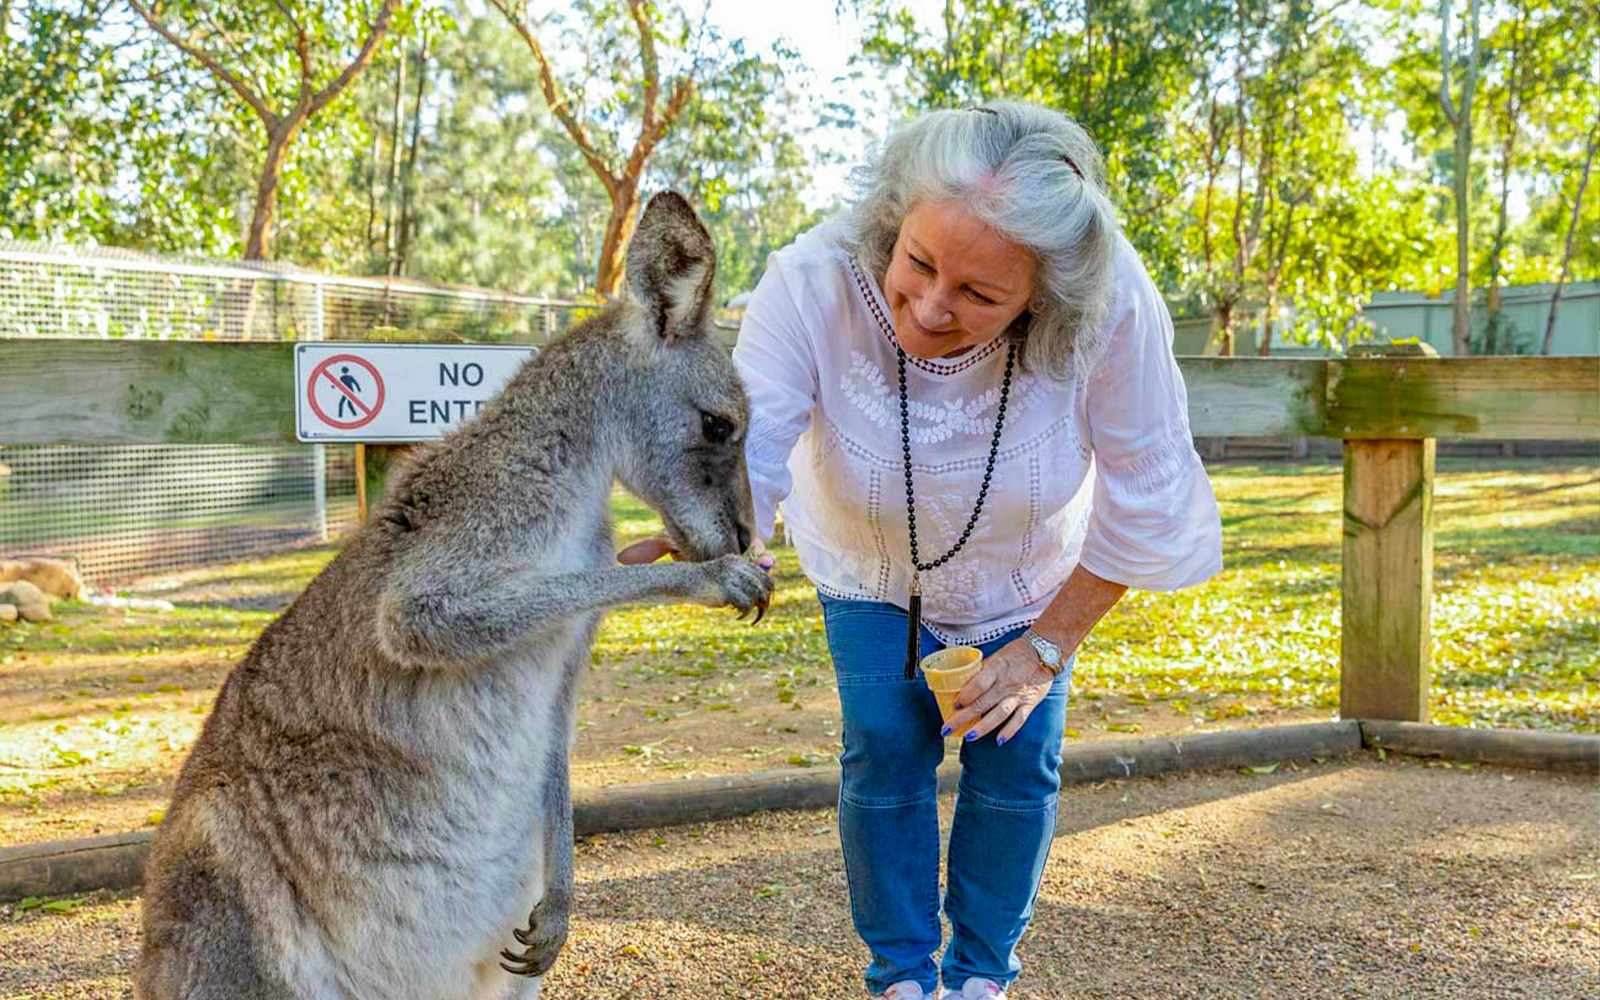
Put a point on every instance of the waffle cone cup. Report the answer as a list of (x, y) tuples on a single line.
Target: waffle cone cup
[(946, 673)]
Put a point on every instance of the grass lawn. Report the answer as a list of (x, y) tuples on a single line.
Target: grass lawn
[(98, 707)]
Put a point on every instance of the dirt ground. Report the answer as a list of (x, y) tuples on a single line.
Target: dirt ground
[(1359, 877)]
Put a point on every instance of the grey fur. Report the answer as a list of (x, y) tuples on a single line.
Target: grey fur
[(380, 793)]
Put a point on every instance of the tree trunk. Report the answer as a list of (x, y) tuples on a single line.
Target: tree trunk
[(1492, 297), (949, 40), (619, 230), (1222, 317), (1572, 229), (1269, 321), (372, 186), (1460, 116), (239, 302), (1508, 151), (408, 185), (1460, 327), (258, 245), (396, 123)]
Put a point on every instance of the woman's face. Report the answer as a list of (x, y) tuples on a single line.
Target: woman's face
[(953, 282)]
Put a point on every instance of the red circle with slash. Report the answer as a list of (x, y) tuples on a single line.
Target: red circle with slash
[(368, 413)]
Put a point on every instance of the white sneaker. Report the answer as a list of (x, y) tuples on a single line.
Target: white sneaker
[(975, 989), (908, 990)]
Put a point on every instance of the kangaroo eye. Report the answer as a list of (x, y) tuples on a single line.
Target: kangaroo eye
[(716, 429)]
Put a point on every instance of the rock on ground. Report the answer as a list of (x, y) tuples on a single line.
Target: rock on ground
[(55, 577), (30, 601)]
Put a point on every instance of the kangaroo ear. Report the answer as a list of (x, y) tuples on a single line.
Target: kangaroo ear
[(671, 267)]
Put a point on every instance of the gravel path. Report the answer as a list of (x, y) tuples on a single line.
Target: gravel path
[(1355, 878)]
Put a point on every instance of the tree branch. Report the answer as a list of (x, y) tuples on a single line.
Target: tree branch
[(302, 51), (218, 31), (1450, 112), (369, 48), (556, 100), (284, 9), (207, 60), (647, 139), (640, 10), (654, 125)]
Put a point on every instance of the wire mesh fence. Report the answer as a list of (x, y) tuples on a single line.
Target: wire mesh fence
[(49, 290), (128, 511)]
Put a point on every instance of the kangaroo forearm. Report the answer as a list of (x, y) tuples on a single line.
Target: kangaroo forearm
[(558, 793), (464, 621), (558, 867)]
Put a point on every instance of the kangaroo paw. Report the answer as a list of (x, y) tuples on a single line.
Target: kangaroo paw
[(542, 941)]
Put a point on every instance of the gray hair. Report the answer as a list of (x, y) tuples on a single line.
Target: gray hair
[(1036, 177)]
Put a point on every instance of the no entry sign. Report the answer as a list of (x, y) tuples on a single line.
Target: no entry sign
[(395, 392)]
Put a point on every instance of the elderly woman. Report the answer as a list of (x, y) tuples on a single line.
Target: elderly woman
[(964, 396)]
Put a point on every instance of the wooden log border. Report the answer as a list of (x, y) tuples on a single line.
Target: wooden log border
[(117, 862), (1574, 753)]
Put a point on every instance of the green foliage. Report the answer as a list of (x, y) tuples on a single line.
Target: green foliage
[(662, 99), (477, 190), (1280, 157), (736, 157), (56, 77), (1231, 135), (1364, 235), (1121, 68)]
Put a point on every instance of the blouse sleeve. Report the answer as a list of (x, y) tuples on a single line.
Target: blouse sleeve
[(775, 360), (1154, 522)]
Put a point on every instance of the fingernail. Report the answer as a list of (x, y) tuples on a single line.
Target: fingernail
[(945, 731), (1000, 741), (972, 736), (959, 705)]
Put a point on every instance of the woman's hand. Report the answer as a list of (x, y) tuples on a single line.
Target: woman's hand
[(1004, 690), (648, 550), (759, 555)]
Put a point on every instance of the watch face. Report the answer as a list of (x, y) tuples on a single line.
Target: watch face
[(1047, 650)]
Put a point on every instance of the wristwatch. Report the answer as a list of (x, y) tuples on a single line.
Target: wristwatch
[(1049, 652)]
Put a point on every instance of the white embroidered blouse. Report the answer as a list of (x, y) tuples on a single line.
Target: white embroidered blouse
[(1102, 474)]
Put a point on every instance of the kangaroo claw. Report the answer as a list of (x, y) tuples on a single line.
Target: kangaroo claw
[(521, 965)]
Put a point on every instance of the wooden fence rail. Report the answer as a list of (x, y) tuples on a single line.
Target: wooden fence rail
[(1387, 404)]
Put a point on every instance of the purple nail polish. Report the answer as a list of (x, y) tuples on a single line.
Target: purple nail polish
[(1000, 741), (959, 706), (945, 731), (972, 736)]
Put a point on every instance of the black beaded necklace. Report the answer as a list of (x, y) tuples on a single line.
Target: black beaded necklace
[(918, 567)]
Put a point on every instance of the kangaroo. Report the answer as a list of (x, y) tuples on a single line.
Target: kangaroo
[(380, 796)]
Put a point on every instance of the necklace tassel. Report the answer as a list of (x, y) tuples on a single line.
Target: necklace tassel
[(913, 630)]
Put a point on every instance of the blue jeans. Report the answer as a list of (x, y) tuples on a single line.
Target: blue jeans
[(1005, 812)]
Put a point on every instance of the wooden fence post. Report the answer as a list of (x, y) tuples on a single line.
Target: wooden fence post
[(1385, 654), (373, 464)]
